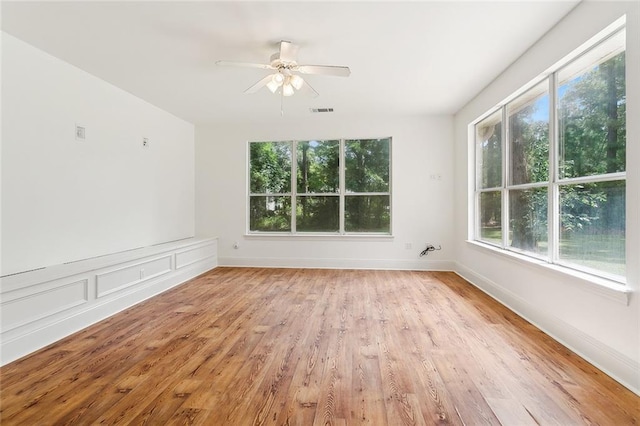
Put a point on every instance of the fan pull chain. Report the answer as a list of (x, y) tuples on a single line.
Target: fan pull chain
[(281, 103)]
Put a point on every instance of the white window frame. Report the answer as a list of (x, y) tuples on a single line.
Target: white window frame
[(341, 194), (554, 182)]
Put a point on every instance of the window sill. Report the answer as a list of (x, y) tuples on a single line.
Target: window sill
[(274, 236), (613, 290)]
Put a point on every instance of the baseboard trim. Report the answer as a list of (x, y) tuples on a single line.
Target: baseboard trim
[(337, 263), (618, 366)]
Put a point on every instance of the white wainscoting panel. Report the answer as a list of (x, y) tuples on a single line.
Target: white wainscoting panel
[(192, 255), (40, 307), (19, 309), (127, 276)]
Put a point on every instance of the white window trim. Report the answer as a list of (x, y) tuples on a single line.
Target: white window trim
[(600, 282), (342, 194)]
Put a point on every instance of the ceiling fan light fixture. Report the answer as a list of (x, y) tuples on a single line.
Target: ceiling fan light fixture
[(278, 79), (287, 89), (272, 86), (296, 81)]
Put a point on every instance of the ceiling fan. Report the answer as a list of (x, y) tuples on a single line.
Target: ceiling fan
[(285, 80)]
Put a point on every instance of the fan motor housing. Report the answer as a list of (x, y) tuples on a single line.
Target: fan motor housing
[(278, 63)]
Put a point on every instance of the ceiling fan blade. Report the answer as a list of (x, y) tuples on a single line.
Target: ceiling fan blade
[(306, 88), (259, 85), (324, 70), (288, 51), (244, 65)]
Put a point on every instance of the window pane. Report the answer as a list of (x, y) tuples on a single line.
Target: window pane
[(367, 165), (270, 167), (528, 220), (318, 214), (367, 213), (529, 136), (592, 225), (318, 166), (270, 214), (592, 108), (489, 151), (491, 217)]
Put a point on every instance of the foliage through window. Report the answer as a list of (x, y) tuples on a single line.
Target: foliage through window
[(320, 186), (551, 166)]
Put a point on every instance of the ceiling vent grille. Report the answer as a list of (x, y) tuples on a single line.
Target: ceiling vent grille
[(317, 110)]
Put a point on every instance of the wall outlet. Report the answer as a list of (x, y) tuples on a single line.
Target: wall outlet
[(145, 142)]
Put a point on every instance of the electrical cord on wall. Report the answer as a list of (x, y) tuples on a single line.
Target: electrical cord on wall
[(430, 247)]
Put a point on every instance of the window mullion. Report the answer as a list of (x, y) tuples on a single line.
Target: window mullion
[(553, 208), (294, 188), (247, 216), (476, 235), (341, 192), (505, 178)]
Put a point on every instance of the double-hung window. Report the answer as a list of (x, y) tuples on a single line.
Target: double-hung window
[(320, 186), (551, 167)]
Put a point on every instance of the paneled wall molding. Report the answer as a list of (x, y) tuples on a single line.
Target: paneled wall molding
[(614, 363), (40, 307)]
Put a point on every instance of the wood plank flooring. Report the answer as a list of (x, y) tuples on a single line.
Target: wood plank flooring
[(242, 346)]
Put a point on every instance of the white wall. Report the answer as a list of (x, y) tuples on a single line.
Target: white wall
[(63, 199), (422, 207), (605, 330)]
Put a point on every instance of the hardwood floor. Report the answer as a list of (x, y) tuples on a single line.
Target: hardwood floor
[(284, 346)]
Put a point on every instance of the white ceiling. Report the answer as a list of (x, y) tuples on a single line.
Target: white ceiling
[(405, 57)]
